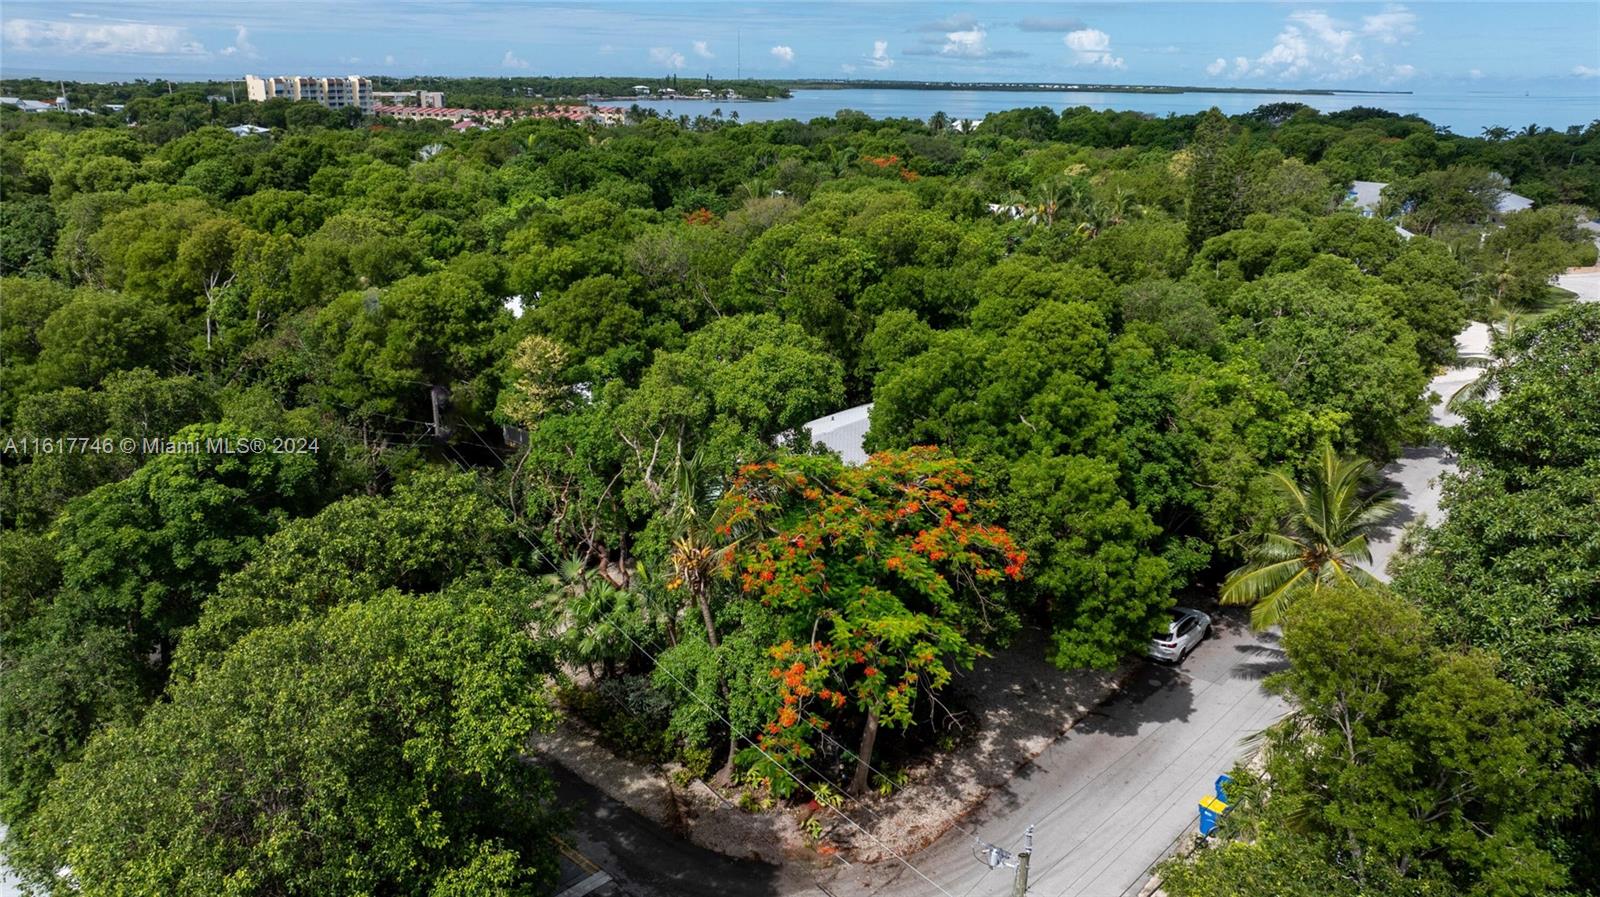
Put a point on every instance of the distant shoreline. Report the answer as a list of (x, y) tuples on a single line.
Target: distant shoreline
[(1064, 87), (786, 84)]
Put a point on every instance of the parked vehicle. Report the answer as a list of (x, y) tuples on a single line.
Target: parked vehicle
[(1187, 629)]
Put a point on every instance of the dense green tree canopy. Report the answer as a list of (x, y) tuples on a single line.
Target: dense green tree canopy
[(1406, 768), (394, 763), (504, 379)]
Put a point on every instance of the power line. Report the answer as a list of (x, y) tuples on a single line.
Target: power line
[(461, 462), (1060, 807), (731, 728)]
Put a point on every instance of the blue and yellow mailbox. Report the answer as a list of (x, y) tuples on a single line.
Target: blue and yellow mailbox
[(1212, 807)]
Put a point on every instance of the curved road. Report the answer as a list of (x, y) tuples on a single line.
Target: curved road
[(1110, 798), (1416, 474)]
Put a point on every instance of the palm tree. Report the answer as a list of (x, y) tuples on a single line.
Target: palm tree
[(699, 555), (578, 605), (1320, 543)]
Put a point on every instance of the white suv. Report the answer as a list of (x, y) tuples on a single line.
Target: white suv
[(1187, 628)]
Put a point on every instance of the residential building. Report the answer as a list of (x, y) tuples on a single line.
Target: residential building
[(248, 130), (423, 99), (335, 93), (606, 115), (28, 105)]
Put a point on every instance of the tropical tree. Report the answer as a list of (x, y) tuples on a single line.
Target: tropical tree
[(376, 749), (887, 578), (1320, 543), (1406, 768)]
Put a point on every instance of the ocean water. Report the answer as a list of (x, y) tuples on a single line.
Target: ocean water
[(1466, 107), (1557, 104)]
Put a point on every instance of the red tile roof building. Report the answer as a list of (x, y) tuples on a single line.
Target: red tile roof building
[(608, 115)]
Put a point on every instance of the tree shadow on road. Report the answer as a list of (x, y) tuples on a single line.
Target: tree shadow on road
[(1263, 659), (1154, 693), (1406, 500), (648, 861), (1151, 695)]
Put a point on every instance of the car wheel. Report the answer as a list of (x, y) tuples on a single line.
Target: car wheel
[(1206, 633)]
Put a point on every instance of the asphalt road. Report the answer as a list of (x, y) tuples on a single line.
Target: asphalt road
[(644, 860), (1110, 798), (1416, 475)]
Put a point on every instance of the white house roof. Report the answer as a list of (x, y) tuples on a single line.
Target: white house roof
[(26, 105), (1365, 194), (845, 432), (1511, 202)]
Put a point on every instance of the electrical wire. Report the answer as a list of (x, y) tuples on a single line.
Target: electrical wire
[(461, 462), (1087, 836), (786, 771)]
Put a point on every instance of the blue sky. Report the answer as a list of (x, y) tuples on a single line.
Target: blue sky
[(1283, 44)]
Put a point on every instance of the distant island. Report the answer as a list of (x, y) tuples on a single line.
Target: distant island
[(1062, 87)]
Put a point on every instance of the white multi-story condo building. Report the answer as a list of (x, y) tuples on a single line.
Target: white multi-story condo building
[(335, 93)]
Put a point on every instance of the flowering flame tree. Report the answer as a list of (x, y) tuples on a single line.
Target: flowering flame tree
[(887, 577)]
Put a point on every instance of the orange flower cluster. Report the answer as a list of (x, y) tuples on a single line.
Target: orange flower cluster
[(892, 161), (701, 217), (903, 529)]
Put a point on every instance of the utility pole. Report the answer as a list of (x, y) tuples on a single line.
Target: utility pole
[(1019, 885), (995, 857)]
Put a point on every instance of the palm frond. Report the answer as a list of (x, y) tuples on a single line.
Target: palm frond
[(1323, 538), (1252, 583), (1272, 608)]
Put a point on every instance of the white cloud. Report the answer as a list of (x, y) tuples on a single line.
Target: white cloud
[(388, 60), (348, 60), (241, 45), (703, 50), (1586, 71), (972, 43), (880, 55), (118, 39), (1391, 26), (784, 54), (668, 57), (1091, 46), (1318, 46), (1475, 74), (1221, 67), (512, 61)]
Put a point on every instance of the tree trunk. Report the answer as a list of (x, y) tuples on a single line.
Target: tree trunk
[(869, 737), (702, 599)]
